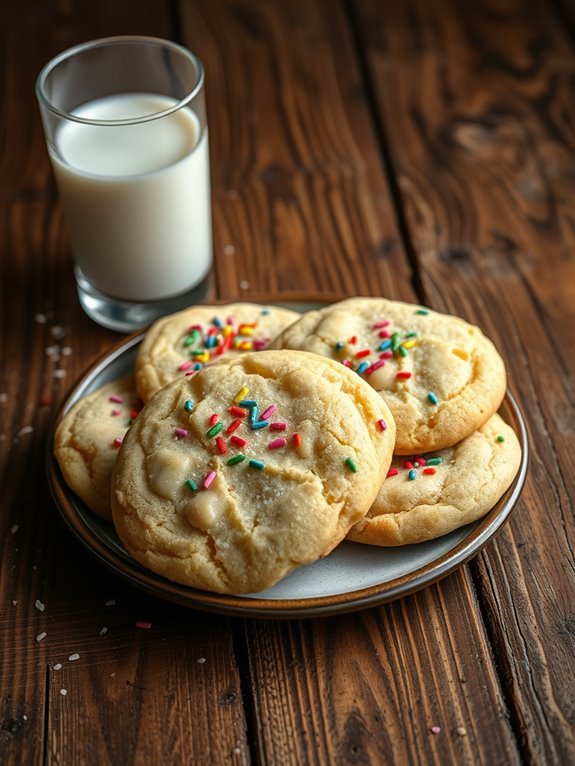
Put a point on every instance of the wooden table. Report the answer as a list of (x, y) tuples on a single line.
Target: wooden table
[(422, 151)]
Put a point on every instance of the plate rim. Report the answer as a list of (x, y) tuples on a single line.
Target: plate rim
[(483, 531)]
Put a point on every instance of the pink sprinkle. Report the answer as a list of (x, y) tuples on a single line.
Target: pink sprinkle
[(231, 320), (382, 323), (375, 366), (386, 355), (269, 412), (115, 413), (421, 460), (117, 398), (346, 363), (259, 345), (382, 424), (435, 729), (181, 432), (392, 472), (144, 625), (185, 366), (117, 441), (277, 443), (209, 480), (384, 334), (278, 426)]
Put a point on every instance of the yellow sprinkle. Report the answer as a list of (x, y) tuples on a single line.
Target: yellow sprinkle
[(245, 330), (409, 343), (242, 393), (245, 345), (203, 358), (227, 331)]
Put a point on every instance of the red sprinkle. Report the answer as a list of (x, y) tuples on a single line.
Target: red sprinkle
[(392, 472), (363, 353), (237, 411), (233, 426), (277, 425), (185, 366), (221, 445), (117, 398), (384, 334), (375, 366), (238, 441), (45, 401), (117, 441), (429, 471), (386, 355), (408, 465), (381, 323), (421, 460), (144, 625), (382, 424), (403, 375), (214, 419), (296, 439), (353, 340), (346, 363)]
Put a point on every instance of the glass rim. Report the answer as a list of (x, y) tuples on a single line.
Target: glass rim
[(109, 41)]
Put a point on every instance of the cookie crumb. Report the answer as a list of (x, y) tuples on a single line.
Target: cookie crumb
[(41, 636), (63, 692), (244, 284), (104, 631), (201, 660), (229, 249), (57, 666), (461, 730), (39, 605), (74, 656)]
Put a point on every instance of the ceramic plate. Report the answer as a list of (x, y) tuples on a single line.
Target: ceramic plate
[(352, 577)]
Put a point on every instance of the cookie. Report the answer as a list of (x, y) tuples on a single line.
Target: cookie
[(428, 496), (440, 376), (182, 342), (88, 437), (257, 464)]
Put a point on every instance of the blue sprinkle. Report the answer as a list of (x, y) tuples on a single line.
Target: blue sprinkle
[(266, 312), (216, 322), (412, 474), (257, 464), (198, 366), (433, 398), (188, 405), (385, 345), (362, 368), (257, 424), (254, 412), (339, 345), (247, 403)]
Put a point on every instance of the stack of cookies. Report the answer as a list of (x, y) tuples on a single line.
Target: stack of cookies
[(266, 437)]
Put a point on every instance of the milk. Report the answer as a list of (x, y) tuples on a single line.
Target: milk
[(136, 197)]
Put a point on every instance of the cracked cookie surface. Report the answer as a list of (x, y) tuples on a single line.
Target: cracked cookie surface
[(431, 495), (253, 466), (441, 377), (87, 439), (175, 344)]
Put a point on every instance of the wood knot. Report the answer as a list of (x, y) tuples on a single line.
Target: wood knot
[(457, 255), (12, 725)]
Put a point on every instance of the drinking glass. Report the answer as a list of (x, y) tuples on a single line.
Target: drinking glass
[(126, 130)]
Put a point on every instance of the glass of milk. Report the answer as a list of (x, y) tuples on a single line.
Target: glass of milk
[(125, 124)]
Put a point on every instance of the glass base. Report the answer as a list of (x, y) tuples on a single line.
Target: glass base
[(127, 316)]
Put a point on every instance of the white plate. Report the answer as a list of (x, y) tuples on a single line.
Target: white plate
[(353, 576)]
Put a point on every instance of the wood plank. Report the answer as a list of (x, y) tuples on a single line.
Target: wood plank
[(476, 105), (312, 703), (134, 695), (288, 137)]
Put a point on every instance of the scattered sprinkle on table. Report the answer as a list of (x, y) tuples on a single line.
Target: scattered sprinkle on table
[(435, 729), (41, 636), (39, 605), (63, 692), (14, 528), (201, 660), (74, 657), (143, 624), (110, 602), (104, 631), (57, 666)]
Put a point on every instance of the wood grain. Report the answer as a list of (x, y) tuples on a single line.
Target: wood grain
[(481, 96)]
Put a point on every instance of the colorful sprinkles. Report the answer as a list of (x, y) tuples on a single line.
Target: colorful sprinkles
[(412, 465)]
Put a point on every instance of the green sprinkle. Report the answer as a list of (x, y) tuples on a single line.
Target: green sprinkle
[(433, 398), (351, 464), (191, 484), (188, 405), (395, 341), (257, 464), (236, 459), (402, 351), (214, 430), (198, 352), (423, 312), (434, 461), (500, 438), (411, 334)]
